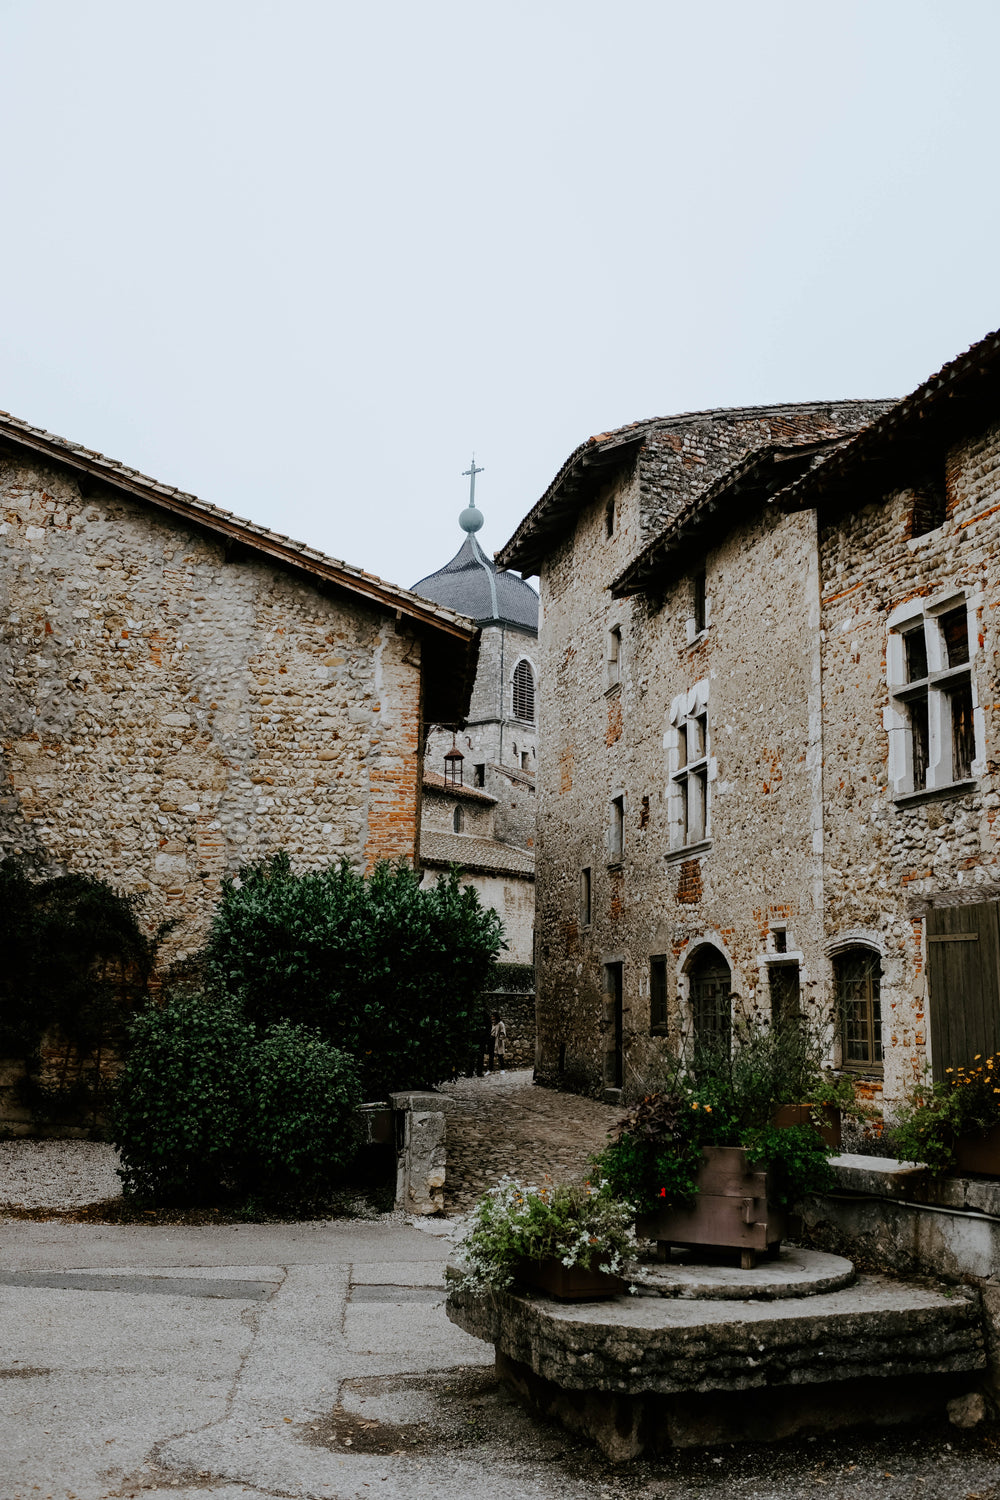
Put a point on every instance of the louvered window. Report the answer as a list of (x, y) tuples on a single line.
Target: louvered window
[(524, 692)]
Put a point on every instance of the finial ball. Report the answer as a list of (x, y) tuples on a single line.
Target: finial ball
[(471, 518)]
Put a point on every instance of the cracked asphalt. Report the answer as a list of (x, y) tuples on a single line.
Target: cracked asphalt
[(315, 1362)]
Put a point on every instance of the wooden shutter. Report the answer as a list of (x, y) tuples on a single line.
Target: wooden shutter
[(963, 983)]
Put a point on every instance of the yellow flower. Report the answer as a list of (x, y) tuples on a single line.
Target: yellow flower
[(695, 1104), (977, 1057), (949, 1070)]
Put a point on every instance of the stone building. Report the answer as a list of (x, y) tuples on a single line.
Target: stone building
[(908, 527), (480, 777), (183, 691), (679, 855)]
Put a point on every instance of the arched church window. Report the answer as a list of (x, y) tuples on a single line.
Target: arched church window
[(458, 821), (524, 692)]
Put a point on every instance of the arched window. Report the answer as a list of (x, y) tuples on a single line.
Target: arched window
[(711, 1007), (857, 979), (524, 692), (458, 821)]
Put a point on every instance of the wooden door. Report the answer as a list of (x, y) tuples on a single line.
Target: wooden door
[(963, 983)]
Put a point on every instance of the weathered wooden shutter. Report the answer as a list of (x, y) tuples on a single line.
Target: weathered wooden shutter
[(963, 983)]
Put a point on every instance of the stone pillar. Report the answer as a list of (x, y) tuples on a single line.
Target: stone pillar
[(421, 1132)]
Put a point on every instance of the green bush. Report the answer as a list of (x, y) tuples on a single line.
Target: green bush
[(205, 1109), (181, 1101), (302, 1126), (386, 971)]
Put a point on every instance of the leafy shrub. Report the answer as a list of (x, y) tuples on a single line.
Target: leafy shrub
[(206, 1109), (302, 1125), (577, 1224), (934, 1115), (657, 1151), (181, 1101), (797, 1161), (385, 970)]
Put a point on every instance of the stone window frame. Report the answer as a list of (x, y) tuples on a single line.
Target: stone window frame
[(523, 684), (689, 776), (781, 953), (617, 812), (458, 819), (659, 995), (586, 895), (613, 659), (929, 738), (701, 606), (858, 938), (694, 950)]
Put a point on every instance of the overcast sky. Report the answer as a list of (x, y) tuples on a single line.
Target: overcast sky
[(303, 258)]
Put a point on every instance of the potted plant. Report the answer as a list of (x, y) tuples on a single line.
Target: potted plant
[(703, 1158), (954, 1125), (569, 1240)]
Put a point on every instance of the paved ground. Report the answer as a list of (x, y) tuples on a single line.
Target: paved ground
[(315, 1362), (503, 1125)]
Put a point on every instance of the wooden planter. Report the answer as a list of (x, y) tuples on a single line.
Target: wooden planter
[(730, 1211), (808, 1114), (979, 1153), (568, 1283)]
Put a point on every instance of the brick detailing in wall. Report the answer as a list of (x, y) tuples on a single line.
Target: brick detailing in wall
[(689, 886)]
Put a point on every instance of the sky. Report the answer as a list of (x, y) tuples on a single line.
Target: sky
[(303, 259)]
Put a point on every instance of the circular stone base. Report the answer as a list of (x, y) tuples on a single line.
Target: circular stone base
[(792, 1273)]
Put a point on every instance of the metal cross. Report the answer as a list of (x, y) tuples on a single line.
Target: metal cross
[(472, 481)]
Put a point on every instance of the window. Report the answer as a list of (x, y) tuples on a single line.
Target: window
[(658, 994), (929, 505), (857, 975), (525, 760), (688, 744), (479, 775), (524, 692), (932, 740), (783, 983), (614, 655), (710, 996), (616, 836), (609, 519), (699, 602), (458, 820), (585, 889)]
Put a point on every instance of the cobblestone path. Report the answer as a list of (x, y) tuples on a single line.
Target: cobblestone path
[(504, 1125)]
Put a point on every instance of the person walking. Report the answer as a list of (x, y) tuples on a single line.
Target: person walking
[(498, 1034)]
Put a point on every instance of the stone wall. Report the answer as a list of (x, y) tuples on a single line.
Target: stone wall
[(888, 856), (754, 884), (170, 708)]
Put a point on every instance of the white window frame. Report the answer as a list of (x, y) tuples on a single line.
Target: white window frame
[(613, 658), (690, 768), (922, 615)]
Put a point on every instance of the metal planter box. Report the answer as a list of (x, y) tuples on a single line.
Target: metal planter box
[(731, 1210)]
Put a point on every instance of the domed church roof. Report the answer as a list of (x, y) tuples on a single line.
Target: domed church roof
[(472, 584)]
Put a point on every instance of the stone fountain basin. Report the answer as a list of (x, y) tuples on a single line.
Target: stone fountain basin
[(675, 1367)]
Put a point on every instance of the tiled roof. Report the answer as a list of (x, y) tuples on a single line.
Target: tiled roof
[(897, 445), (588, 464), (754, 479), (439, 784), (273, 544), (477, 856), (450, 641)]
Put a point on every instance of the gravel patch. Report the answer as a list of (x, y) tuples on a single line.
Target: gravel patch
[(57, 1174)]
